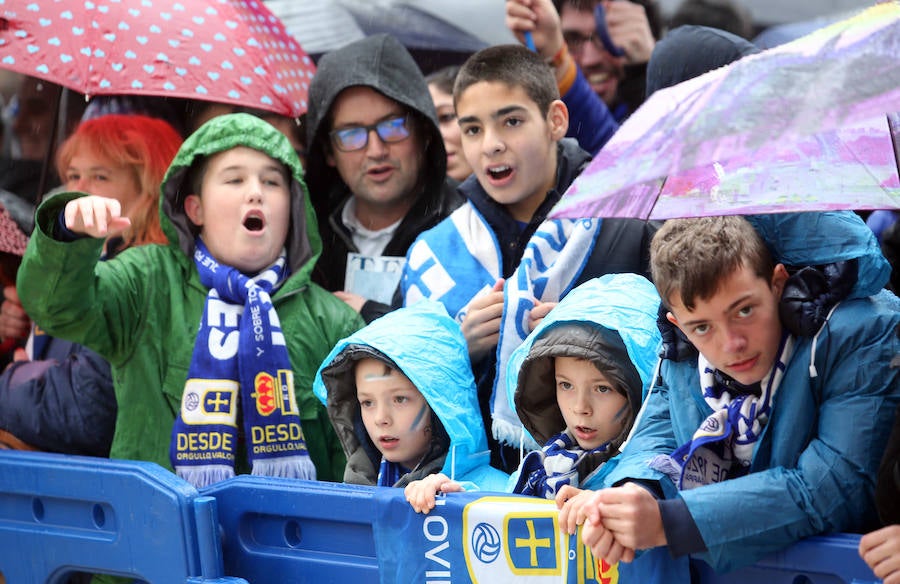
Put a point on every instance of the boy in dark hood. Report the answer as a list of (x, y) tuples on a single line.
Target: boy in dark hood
[(581, 382)]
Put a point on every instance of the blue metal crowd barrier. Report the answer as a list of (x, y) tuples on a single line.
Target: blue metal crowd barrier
[(282, 530), (278, 530), (65, 514), (832, 559)]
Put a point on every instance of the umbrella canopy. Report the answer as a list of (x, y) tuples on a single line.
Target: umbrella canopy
[(230, 51), (789, 31), (802, 126), (436, 32)]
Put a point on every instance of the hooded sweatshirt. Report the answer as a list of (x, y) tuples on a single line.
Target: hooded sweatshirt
[(141, 311), (383, 64), (609, 321), (673, 63), (428, 347)]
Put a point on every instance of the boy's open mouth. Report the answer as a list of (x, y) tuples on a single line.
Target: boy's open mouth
[(254, 221), (499, 172), (388, 441)]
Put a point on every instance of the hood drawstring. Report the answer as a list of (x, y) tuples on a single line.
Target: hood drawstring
[(452, 462), (654, 382), (812, 353)]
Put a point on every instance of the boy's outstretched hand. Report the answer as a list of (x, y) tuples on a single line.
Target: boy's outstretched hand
[(99, 217), (421, 494), (481, 325), (881, 551)]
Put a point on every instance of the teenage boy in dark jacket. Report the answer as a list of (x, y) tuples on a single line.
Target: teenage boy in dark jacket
[(496, 263)]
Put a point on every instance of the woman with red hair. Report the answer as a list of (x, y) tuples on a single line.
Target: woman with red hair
[(58, 396), (124, 157)]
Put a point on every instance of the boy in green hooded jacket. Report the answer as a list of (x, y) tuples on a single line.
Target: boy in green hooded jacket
[(215, 395)]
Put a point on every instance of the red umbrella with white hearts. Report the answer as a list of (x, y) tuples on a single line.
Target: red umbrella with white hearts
[(229, 51)]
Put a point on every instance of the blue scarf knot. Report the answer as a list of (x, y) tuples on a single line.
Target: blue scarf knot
[(544, 472)]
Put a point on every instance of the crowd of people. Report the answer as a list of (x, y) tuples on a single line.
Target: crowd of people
[(378, 296)]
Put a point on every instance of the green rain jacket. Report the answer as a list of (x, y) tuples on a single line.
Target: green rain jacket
[(141, 311)]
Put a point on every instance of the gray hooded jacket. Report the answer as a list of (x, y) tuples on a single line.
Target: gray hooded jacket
[(382, 63)]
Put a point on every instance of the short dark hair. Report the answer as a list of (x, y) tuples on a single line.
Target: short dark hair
[(514, 66), (443, 78), (691, 257)]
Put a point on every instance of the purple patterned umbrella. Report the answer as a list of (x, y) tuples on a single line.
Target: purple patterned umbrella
[(230, 51), (802, 126)]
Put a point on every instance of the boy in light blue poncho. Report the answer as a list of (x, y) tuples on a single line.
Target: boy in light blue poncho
[(576, 382), (401, 396), (605, 328)]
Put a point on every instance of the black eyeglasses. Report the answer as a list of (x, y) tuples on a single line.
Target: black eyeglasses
[(600, 36), (576, 41), (352, 138)]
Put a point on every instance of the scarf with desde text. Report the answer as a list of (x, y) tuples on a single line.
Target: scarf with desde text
[(240, 363)]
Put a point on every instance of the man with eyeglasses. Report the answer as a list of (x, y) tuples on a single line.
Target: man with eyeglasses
[(610, 42), (376, 168)]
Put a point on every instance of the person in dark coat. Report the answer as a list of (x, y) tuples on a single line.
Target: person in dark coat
[(376, 168)]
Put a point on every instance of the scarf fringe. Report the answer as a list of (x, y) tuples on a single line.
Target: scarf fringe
[(509, 433), (288, 467), (203, 476)]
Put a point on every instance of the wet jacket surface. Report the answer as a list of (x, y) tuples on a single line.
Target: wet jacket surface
[(428, 347), (61, 402), (382, 63), (141, 311)]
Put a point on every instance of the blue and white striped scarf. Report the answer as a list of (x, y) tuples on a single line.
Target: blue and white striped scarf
[(722, 447), (544, 472), (460, 259), (240, 364), (389, 473)]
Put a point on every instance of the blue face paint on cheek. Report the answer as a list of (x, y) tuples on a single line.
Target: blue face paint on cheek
[(618, 415), (418, 419)]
